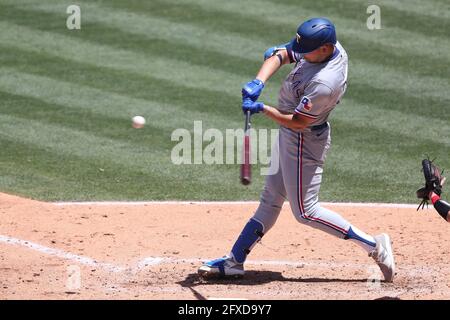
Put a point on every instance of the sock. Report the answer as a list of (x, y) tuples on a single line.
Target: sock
[(365, 241)]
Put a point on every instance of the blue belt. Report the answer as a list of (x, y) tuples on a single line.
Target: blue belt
[(319, 126)]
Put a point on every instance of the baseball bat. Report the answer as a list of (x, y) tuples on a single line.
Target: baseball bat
[(246, 171)]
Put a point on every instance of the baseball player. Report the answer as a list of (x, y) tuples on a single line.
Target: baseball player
[(432, 190), (308, 95)]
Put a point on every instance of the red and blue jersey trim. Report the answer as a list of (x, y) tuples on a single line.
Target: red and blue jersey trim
[(311, 116), (300, 189)]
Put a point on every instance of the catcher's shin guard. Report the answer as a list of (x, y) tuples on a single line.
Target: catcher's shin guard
[(252, 233)]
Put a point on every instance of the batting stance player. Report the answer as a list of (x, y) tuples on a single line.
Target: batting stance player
[(308, 95)]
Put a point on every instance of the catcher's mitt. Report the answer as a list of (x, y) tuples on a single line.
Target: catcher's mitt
[(433, 182)]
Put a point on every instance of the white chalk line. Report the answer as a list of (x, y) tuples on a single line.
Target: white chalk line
[(147, 262), (411, 270), (153, 261), (61, 254), (146, 203)]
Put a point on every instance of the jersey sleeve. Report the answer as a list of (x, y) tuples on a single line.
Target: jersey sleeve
[(315, 100), (293, 57)]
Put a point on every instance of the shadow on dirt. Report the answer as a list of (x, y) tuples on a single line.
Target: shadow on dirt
[(388, 298), (252, 278), (258, 278)]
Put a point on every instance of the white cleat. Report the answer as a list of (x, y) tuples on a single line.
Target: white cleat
[(222, 267), (384, 257)]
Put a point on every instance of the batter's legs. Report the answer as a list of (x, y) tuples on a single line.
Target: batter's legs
[(301, 166), (271, 202)]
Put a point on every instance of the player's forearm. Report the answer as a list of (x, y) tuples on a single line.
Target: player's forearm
[(286, 120), (272, 65), (442, 207), (269, 67)]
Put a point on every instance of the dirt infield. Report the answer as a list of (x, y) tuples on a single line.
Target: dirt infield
[(152, 251)]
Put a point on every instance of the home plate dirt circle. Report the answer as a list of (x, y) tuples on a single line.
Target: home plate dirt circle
[(152, 251)]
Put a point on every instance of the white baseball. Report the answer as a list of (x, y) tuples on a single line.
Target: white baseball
[(138, 122)]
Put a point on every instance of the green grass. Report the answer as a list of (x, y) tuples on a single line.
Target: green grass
[(67, 97)]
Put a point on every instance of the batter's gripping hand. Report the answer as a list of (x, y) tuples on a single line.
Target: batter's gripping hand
[(252, 90), (253, 107), (433, 182)]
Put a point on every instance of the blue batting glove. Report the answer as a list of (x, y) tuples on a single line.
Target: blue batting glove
[(273, 50), (252, 106), (270, 52), (252, 89)]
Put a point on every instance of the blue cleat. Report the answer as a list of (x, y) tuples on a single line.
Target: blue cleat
[(222, 267)]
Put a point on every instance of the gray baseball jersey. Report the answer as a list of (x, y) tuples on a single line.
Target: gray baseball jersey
[(311, 90), (314, 89)]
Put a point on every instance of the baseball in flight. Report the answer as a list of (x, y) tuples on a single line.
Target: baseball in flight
[(138, 122)]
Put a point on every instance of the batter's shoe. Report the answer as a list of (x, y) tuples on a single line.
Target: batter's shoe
[(222, 267), (384, 257)]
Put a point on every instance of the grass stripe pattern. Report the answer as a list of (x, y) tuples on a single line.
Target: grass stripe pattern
[(67, 96)]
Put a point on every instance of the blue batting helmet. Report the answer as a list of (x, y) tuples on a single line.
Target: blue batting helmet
[(312, 34)]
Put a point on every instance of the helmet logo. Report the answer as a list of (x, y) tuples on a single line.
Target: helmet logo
[(298, 38)]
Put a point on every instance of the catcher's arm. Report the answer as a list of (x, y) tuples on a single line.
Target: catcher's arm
[(441, 206)]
